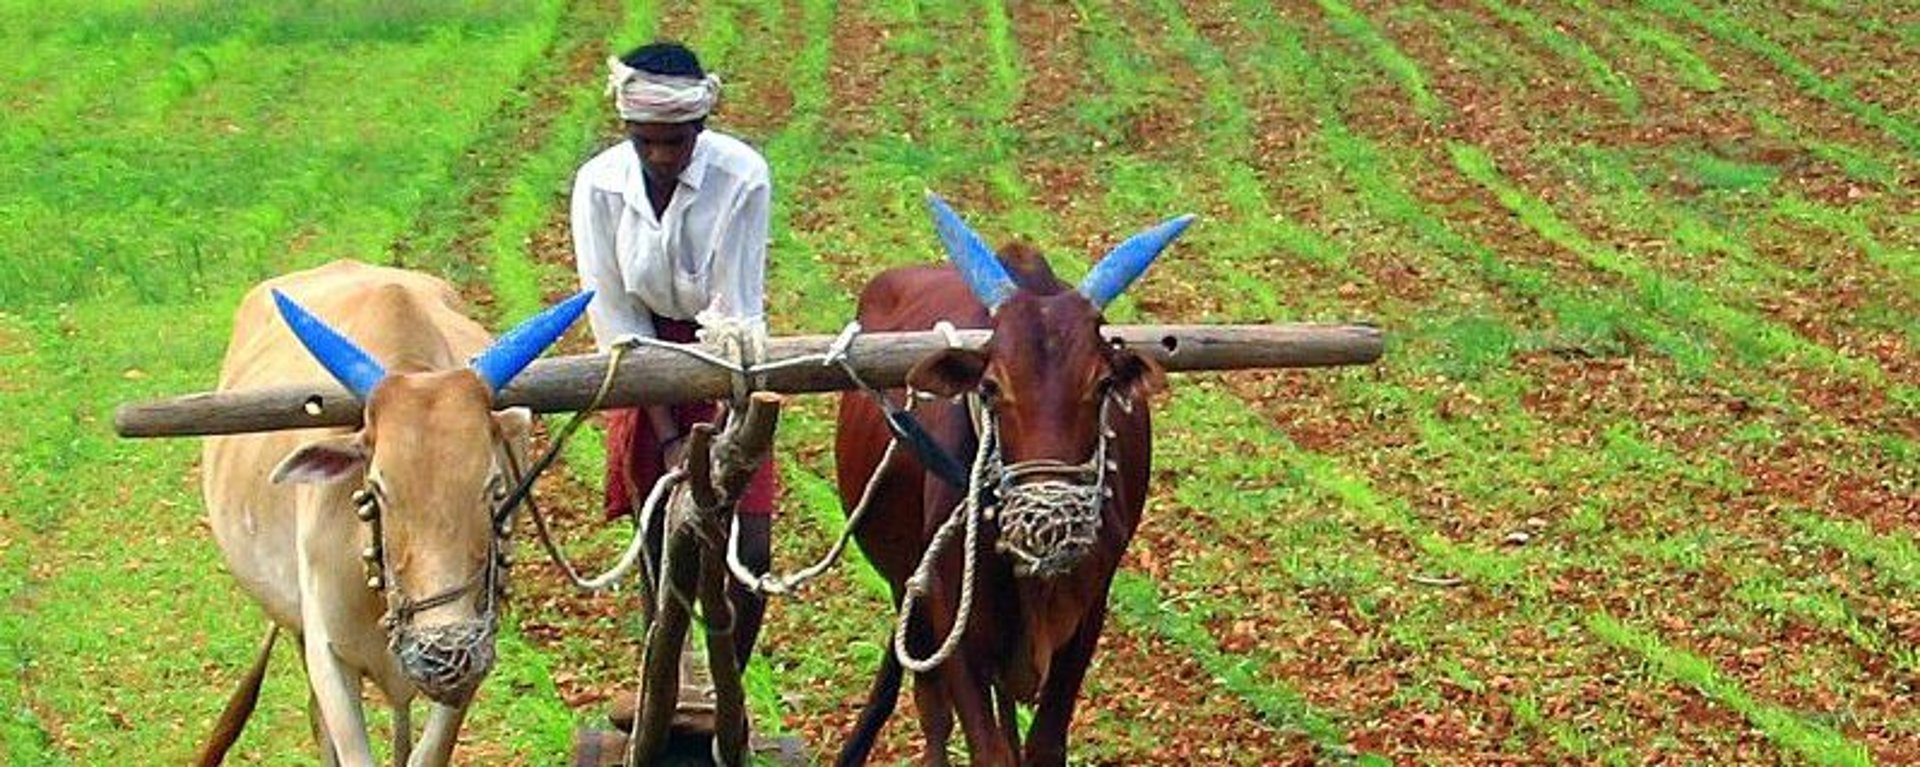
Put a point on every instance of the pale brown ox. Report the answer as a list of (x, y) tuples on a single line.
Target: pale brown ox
[(281, 503)]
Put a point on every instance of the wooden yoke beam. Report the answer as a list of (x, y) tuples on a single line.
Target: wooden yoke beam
[(652, 375)]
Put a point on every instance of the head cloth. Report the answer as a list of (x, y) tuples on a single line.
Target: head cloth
[(646, 97)]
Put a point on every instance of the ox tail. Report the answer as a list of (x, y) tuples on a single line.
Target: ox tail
[(874, 715), (239, 707)]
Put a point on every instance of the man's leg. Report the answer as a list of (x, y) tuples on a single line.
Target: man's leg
[(755, 513), (756, 533)]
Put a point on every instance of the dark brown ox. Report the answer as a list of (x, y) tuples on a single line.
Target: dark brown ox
[(376, 547), (1061, 502)]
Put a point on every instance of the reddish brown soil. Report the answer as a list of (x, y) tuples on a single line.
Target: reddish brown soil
[(1149, 701)]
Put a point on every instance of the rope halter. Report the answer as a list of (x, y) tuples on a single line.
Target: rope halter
[(1048, 525), (490, 582)]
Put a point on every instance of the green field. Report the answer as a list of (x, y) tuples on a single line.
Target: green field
[(1639, 477)]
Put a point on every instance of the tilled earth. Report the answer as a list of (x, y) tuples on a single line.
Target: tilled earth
[(1668, 496)]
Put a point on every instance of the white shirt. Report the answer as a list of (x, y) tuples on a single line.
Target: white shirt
[(707, 257)]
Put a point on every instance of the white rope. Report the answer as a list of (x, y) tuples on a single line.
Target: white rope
[(780, 585), (968, 512), (835, 354), (742, 341), (842, 343), (952, 334), (635, 548), (783, 584), (694, 351)]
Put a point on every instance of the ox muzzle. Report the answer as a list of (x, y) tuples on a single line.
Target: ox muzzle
[(447, 662), (1049, 511), (1048, 527)]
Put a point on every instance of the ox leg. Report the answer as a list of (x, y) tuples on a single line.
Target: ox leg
[(965, 692), (1009, 719), (929, 689), (972, 699), (436, 741), (316, 725), (1047, 742), (873, 716), (328, 756), (336, 690), (402, 729), (936, 717)]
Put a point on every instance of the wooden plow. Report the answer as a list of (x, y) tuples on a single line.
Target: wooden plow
[(697, 514)]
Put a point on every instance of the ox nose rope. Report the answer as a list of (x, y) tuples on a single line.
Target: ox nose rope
[(1048, 526), (636, 548), (968, 512)]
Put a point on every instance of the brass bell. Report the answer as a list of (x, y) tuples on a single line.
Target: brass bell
[(370, 553), (367, 512), (375, 582), (361, 497)]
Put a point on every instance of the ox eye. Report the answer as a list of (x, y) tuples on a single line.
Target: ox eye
[(989, 389)]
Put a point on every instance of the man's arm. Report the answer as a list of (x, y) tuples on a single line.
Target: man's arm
[(613, 314), (739, 278)]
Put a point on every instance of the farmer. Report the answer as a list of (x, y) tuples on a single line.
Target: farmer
[(670, 232)]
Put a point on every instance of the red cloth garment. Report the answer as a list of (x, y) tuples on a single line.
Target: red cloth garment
[(634, 461)]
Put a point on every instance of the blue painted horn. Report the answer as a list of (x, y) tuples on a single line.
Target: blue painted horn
[(1130, 259), (977, 263), (348, 364), (517, 349)]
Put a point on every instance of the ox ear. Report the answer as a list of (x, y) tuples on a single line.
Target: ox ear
[(515, 426), (322, 461), (515, 423), (950, 373), (1136, 375)]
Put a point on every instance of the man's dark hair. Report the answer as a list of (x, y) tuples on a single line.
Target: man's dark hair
[(664, 58)]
